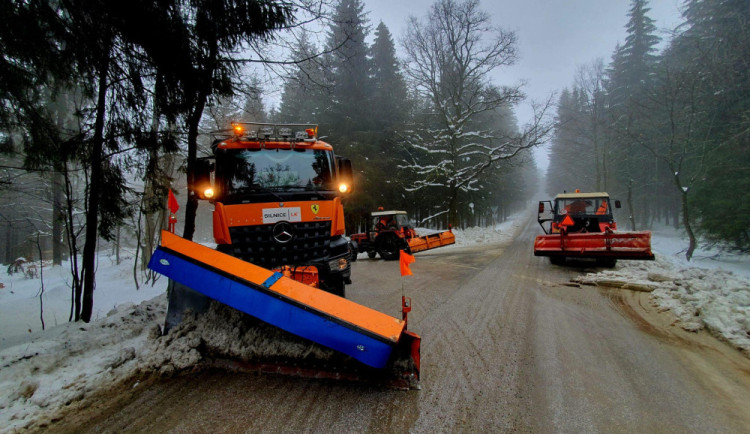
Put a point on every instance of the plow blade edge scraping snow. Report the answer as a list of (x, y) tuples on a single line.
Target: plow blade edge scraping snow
[(362, 333), (432, 241), (615, 245)]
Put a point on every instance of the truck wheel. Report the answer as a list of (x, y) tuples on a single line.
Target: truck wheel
[(557, 260), (606, 262), (335, 287), (388, 247), (371, 254)]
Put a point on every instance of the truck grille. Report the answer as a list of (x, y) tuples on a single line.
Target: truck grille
[(256, 244)]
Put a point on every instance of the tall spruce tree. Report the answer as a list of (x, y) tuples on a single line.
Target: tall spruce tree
[(304, 94), (631, 72), (348, 110), (715, 45), (390, 102)]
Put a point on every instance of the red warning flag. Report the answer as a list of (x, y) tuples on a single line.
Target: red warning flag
[(567, 221), (172, 202), (405, 259)]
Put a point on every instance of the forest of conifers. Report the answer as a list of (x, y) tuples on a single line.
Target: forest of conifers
[(666, 130), (107, 104)]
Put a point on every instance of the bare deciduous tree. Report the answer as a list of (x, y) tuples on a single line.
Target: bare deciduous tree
[(450, 58)]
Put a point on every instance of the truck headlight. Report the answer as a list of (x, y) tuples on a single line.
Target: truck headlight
[(338, 264)]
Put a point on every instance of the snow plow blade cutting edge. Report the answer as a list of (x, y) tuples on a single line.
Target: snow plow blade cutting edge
[(362, 333), (432, 241), (614, 245)]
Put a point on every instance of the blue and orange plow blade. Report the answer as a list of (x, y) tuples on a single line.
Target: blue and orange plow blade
[(335, 322)]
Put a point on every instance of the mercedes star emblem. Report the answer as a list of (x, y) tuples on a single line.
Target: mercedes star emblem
[(283, 232)]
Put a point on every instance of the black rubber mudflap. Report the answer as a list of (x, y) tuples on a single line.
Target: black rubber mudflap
[(181, 299)]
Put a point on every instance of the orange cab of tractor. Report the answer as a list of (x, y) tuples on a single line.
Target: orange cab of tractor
[(578, 212)]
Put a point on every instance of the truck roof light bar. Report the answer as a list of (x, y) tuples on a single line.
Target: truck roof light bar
[(273, 132)]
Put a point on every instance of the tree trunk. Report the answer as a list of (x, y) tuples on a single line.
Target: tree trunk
[(688, 228), (58, 215), (58, 188), (116, 246), (193, 121), (149, 206), (75, 297), (630, 205), (92, 214), (8, 243), (191, 207)]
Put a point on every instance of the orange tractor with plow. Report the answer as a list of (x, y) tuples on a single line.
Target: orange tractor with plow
[(582, 227), (392, 232)]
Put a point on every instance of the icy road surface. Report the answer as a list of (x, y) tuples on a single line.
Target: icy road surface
[(507, 344)]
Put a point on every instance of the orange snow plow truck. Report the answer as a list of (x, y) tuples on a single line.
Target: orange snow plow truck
[(282, 258), (392, 232), (582, 226)]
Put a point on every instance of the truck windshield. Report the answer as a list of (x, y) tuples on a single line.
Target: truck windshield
[(583, 206), (246, 170), (390, 220)]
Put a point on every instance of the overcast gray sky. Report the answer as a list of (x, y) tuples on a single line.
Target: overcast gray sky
[(555, 37)]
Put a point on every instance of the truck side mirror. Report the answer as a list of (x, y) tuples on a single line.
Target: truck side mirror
[(617, 204), (346, 177), (541, 207), (203, 186)]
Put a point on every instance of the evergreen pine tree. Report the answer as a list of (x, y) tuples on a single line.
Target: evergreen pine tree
[(304, 93), (716, 41), (350, 85), (630, 75), (390, 102)]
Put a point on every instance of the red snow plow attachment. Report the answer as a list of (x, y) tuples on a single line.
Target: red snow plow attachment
[(607, 244), (426, 242), (582, 226)]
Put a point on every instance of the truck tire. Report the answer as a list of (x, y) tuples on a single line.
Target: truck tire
[(388, 246), (335, 287), (371, 254), (557, 260)]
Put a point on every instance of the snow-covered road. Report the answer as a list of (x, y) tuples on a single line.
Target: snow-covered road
[(42, 371)]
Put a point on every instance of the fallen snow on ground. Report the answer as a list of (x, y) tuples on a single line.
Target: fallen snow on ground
[(66, 363), (44, 371), (712, 291), (500, 233)]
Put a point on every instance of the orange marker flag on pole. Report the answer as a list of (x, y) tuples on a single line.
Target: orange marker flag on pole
[(405, 259), (172, 202)]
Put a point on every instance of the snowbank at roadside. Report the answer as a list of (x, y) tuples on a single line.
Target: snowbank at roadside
[(66, 363), (499, 233), (711, 291)]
